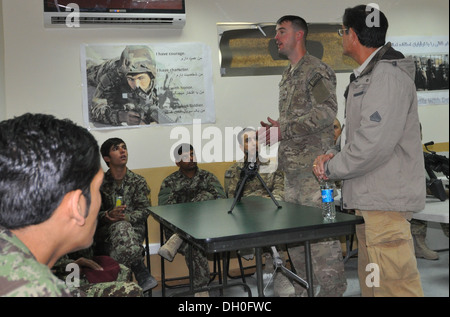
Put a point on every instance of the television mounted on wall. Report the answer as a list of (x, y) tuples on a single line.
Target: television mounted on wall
[(115, 13)]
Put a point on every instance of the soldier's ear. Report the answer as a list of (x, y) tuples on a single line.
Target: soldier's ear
[(76, 206), (300, 34)]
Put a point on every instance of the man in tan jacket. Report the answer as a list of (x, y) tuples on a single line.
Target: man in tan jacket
[(381, 163)]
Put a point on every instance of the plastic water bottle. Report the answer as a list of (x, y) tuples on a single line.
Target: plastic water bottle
[(328, 208)]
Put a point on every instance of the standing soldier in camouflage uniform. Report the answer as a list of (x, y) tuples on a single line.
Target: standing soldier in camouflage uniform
[(49, 200), (125, 88), (188, 184), (121, 226), (307, 107)]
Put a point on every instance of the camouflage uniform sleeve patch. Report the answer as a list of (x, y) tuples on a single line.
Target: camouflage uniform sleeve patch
[(315, 79), (319, 89)]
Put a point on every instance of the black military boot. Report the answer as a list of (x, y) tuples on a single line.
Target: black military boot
[(143, 277)]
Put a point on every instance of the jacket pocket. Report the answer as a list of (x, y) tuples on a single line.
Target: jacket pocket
[(359, 87), (386, 183)]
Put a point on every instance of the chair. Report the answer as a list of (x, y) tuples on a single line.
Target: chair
[(163, 271), (217, 270), (241, 268)]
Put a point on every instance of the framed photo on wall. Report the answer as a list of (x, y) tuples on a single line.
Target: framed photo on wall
[(249, 49)]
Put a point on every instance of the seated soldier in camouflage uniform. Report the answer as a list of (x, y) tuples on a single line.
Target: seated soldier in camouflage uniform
[(188, 184), (121, 226), (274, 179), (49, 200)]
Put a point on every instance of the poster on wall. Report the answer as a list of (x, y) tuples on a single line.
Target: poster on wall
[(430, 55), (142, 85)]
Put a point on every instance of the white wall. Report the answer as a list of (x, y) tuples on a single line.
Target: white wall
[(2, 68), (42, 66)]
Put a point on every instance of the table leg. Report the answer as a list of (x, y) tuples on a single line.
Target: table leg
[(163, 270), (309, 272), (191, 268), (259, 275), (226, 265)]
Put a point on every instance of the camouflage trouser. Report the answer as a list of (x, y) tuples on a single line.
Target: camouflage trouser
[(199, 261), (419, 227), (120, 241), (329, 277), (122, 287), (112, 289), (302, 188)]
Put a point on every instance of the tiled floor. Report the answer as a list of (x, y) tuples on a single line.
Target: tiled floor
[(434, 275)]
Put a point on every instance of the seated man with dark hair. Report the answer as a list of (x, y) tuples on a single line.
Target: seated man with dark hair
[(188, 184), (124, 212), (49, 200)]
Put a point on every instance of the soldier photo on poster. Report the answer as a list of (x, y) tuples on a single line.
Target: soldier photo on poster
[(141, 85)]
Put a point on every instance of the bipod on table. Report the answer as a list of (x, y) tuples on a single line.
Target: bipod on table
[(248, 172)]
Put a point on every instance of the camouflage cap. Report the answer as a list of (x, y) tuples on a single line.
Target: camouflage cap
[(137, 59)]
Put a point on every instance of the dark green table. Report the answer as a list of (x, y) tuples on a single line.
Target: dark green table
[(254, 223)]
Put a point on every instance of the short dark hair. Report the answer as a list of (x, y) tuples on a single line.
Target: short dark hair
[(180, 149), (106, 146), (41, 160), (368, 36), (298, 23)]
